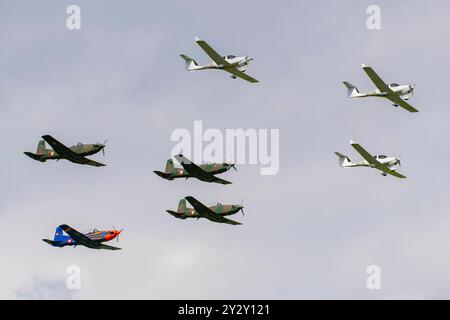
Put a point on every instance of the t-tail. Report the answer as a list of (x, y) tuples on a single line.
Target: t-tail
[(190, 64), (344, 161), (352, 91), (40, 151), (170, 169)]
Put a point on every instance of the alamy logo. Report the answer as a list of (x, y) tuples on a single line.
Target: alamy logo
[(74, 280), (374, 279), (239, 146), (73, 21), (373, 21)]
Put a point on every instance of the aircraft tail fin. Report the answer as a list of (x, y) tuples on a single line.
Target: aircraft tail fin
[(40, 148), (59, 235), (170, 168), (343, 159), (181, 206), (190, 64), (352, 91)]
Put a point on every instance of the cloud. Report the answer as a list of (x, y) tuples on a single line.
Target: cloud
[(44, 289)]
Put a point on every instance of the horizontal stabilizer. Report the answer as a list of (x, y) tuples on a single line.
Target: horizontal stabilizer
[(343, 159), (50, 242), (190, 64), (163, 175), (34, 156), (352, 91), (173, 213)]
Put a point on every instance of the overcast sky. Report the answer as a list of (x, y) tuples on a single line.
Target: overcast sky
[(309, 232)]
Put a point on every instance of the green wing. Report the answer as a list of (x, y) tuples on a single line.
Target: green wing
[(61, 149), (197, 172), (240, 74), (93, 163), (379, 83), (395, 98), (384, 88), (207, 213), (376, 164), (69, 154), (217, 58)]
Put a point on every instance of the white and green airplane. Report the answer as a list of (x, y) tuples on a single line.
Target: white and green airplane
[(230, 63), (398, 94), (387, 165)]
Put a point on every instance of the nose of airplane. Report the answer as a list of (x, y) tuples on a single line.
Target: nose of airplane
[(239, 207)]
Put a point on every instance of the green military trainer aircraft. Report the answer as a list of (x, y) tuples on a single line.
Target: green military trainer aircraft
[(214, 213), (204, 172), (75, 154)]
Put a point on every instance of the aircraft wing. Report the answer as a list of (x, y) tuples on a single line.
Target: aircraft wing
[(383, 87), (379, 83), (104, 246), (198, 172), (376, 164), (221, 181), (217, 58), (395, 98), (69, 154), (240, 74), (94, 163), (207, 213), (79, 238)]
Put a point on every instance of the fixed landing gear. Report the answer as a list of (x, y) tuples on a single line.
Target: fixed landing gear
[(384, 174), (233, 76), (395, 105)]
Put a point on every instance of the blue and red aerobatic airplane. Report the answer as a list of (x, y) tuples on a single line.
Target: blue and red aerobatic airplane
[(92, 239)]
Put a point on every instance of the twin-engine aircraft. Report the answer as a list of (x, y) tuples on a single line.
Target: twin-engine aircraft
[(214, 213), (92, 239), (380, 162), (229, 63), (394, 92), (76, 154), (204, 172)]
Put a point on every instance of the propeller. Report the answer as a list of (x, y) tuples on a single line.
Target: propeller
[(242, 207), (412, 88), (118, 232), (398, 160), (233, 166), (102, 146)]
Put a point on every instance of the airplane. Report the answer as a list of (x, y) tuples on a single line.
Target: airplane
[(214, 213), (75, 154), (229, 63), (393, 91), (92, 239), (381, 162), (204, 172)]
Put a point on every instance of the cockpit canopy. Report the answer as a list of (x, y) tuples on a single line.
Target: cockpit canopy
[(381, 156), (393, 85), (230, 56)]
